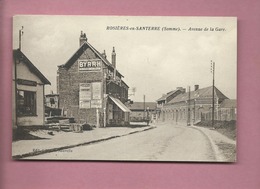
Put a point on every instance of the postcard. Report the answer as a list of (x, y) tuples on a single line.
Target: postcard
[(124, 88)]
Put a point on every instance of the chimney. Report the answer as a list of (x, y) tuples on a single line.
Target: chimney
[(82, 38), (196, 87), (104, 54), (114, 57)]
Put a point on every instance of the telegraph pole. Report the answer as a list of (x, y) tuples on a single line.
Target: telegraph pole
[(144, 108), (188, 120), (15, 77), (20, 38), (213, 91)]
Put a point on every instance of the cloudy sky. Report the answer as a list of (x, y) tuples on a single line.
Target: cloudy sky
[(153, 61)]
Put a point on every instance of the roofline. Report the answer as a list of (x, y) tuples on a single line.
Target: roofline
[(185, 99), (125, 83), (31, 66), (95, 51), (163, 98)]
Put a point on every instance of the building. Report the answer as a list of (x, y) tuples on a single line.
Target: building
[(166, 98), (52, 105), (28, 92), (192, 106), (91, 89), (52, 100), (228, 110), (142, 111)]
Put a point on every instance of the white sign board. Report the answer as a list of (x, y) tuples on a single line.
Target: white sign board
[(84, 95), (89, 65)]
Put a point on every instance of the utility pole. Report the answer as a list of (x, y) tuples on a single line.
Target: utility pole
[(144, 108), (15, 77), (188, 118), (213, 90), (20, 38)]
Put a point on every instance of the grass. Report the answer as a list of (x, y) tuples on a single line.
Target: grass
[(227, 128), (229, 151)]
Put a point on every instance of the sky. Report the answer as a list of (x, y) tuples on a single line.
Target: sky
[(177, 54)]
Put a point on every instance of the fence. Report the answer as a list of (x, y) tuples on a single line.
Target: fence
[(225, 114)]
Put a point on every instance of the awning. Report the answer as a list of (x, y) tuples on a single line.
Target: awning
[(120, 104)]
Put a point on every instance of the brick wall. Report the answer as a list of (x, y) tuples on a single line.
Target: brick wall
[(69, 79), (68, 85)]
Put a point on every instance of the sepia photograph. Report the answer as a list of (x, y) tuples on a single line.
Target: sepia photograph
[(124, 88)]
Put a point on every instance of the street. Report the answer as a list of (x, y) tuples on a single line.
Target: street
[(166, 142)]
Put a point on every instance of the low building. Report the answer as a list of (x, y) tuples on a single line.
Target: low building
[(166, 98), (192, 106), (228, 110), (91, 89), (28, 92), (52, 100), (52, 105), (141, 111)]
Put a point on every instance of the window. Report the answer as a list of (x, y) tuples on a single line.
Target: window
[(52, 101), (26, 103)]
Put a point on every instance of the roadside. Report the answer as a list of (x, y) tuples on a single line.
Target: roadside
[(223, 142), (45, 141), (227, 128), (42, 141), (223, 138)]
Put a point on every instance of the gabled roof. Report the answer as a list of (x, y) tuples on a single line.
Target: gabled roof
[(140, 105), (124, 83), (164, 97), (229, 103), (19, 54), (200, 93), (80, 51)]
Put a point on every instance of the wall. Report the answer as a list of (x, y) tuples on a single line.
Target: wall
[(24, 73), (178, 112), (68, 84)]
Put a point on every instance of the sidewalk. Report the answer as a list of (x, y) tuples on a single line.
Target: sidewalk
[(63, 140), (211, 133), (223, 147), (216, 136)]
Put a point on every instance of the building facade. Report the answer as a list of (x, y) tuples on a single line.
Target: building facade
[(52, 105), (227, 111), (164, 100), (192, 106), (52, 100), (91, 89), (141, 111), (28, 92)]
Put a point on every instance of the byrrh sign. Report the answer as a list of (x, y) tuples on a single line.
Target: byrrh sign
[(90, 65)]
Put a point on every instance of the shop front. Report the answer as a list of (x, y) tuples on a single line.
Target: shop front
[(118, 113)]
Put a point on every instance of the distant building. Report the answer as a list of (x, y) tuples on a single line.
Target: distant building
[(228, 110), (91, 89), (52, 105), (28, 92), (52, 100), (193, 106), (166, 98), (142, 111)]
